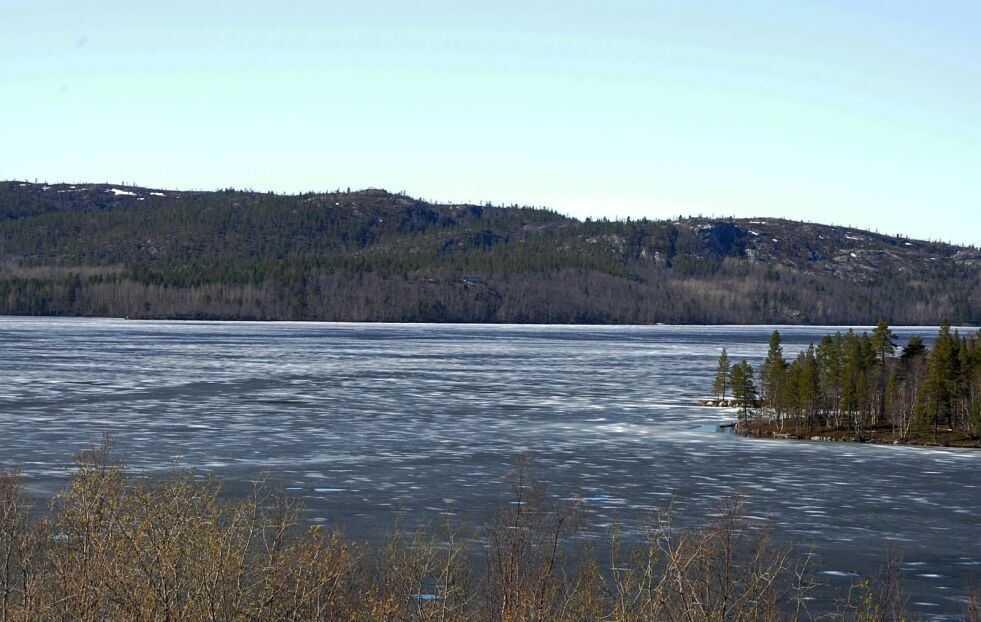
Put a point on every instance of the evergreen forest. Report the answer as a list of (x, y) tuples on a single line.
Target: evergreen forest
[(371, 255), (852, 386)]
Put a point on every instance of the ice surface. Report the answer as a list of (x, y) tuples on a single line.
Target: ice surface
[(366, 421)]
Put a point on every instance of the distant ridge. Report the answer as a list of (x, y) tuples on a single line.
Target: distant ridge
[(125, 251)]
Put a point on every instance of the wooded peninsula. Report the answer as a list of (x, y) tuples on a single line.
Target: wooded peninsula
[(855, 387)]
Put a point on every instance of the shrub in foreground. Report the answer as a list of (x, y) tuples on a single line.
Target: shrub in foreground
[(118, 546)]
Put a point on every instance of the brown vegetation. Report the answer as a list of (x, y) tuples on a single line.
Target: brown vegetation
[(118, 546), (879, 435)]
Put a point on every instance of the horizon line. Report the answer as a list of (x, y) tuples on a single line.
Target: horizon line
[(487, 203)]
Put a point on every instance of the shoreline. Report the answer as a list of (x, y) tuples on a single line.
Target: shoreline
[(240, 320), (759, 427), (766, 429)]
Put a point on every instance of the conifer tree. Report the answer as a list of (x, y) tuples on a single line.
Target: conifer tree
[(809, 384), (790, 390), (938, 384), (722, 375), (829, 363), (853, 376), (743, 386), (883, 343), (855, 382), (913, 348), (772, 374)]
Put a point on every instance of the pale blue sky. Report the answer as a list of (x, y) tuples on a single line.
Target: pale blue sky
[(847, 112)]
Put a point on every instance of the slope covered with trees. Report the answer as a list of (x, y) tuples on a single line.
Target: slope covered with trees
[(100, 250)]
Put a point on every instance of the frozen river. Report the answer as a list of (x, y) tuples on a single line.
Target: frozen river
[(363, 421)]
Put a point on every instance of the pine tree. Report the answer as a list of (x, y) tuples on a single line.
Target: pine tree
[(938, 385), (809, 384), (884, 341), (790, 393), (913, 348), (883, 345), (722, 375), (743, 387), (829, 365), (852, 376), (772, 374)]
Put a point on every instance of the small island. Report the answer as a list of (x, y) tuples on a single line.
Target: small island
[(859, 388)]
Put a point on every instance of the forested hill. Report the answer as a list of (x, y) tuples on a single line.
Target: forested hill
[(101, 250)]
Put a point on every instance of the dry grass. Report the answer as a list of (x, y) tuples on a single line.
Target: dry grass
[(117, 546)]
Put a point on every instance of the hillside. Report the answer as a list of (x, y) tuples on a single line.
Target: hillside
[(99, 250)]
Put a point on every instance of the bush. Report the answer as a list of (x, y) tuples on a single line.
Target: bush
[(123, 546)]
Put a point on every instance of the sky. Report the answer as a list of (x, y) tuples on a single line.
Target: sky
[(849, 112)]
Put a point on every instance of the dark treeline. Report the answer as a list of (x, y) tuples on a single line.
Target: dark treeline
[(98, 250), (119, 546), (865, 387)]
